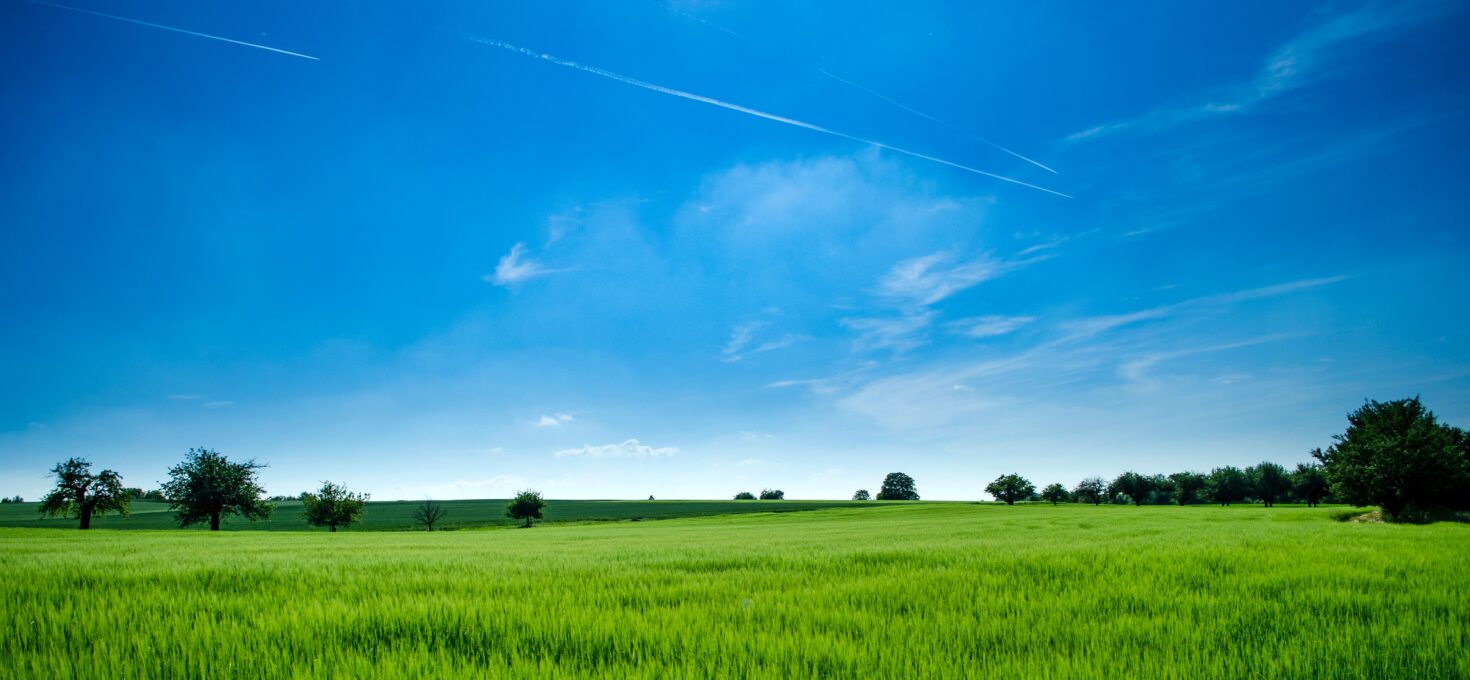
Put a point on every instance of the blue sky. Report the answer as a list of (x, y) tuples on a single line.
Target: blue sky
[(422, 262)]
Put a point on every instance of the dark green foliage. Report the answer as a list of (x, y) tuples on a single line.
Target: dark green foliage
[(526, 505), (428, 513), (1056, 493), (1010, 488), (1092, 490), (745, 496), (333, 506), (81, 494), (1397, 456), (1308, 482), (1269, 482), (861, 495), (137, 494), (209, 486), (1133, 486), (1227, 485), (898, 486), (1188, 486), (773, 495), (12, 499)]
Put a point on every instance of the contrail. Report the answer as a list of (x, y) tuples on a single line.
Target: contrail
[(171, 28), (921, 114), (742, 109)]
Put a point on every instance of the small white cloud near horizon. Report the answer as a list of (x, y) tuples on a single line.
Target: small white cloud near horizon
[(631, 448), (553, 420)]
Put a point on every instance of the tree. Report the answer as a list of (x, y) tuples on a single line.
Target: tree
[(209, 486), (1010, 488), (898, 486), (1308, 482), (1269, 481), (81, 494), (773, 495), (1397, 455), (1227, 485), (1133, 485), (861, 495), (745, 496), (428, 513), (1056, 493), (1188, 486), (1091, 490), (12, 499), (526, 505), (333, 506)]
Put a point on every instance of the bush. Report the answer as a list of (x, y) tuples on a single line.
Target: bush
[(773, 495)]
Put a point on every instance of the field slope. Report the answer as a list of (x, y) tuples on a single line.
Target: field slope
[(922, 590)]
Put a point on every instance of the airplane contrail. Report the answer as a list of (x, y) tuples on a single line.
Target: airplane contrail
[(921, 114), (742, 109), (175, 30)]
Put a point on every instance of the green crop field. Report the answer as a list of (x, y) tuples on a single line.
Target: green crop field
[(398, 515), (916, 590)]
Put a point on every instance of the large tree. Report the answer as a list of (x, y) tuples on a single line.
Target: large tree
[(527, 505), (333, 506), (1133, 485), (1398, 456), (81, 494), (1010, 488), (1227, 485), (1187, 487), (209, 486), (861, 495), (898, 486), (428, 513), (1308, 482), (1056, 493), (1091, 490), (1269, 481)]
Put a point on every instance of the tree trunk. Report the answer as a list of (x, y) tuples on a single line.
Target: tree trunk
[(86, 517), (214, 521), (334, 528)]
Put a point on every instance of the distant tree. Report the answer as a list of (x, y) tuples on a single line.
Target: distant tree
[(1134, 486), (1398, 456), (898, 486), (1227, 485), (81, 494), (1187, 487), (333, 506), (1092, 490), (209, 486), (12, 499), (428, 513), (1162, 491), (526, 505), (1269, 482), (1056, 493), (745, 496), (1010, 488), (1308, 481), (650, 496), (861, 495), (773, 495)]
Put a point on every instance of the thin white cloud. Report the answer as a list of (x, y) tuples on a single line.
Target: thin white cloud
[(184, 397), (988, 326), (930, 278), (218, 404), (631, 448), (899, 333), (514, 267), (554, 420), (175, 30)]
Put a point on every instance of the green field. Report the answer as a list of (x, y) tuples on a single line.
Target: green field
[(916, 590), (398, 515)]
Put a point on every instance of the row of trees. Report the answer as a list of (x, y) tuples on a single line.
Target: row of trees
[(766, 495), (12, 499), (1268, 483)]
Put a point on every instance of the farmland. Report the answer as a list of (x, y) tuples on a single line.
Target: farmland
[(919, 589)]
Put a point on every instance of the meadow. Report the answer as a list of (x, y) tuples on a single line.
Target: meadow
[(910, 590)]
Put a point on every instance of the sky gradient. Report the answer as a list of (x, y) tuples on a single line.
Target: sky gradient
[(686, 249)]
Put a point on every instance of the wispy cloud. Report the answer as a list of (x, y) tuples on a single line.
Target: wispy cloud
[(746, 110), (175, 30), (514, 267), (1295, 64), (743, 341), (930, 278), (553, 421), (1083, 328), (218, 404), (988, 326), (897, 333), (631, 448)]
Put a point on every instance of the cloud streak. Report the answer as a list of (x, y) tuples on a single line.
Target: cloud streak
[(744, 109), (514, 267), (631, 448), (197, 34)]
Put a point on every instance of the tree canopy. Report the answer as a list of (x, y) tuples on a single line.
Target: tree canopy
[(745, 496), (861, 495), (333, 506), (428, 513), (1135, 486), (1308, 482), (1227, 485), (80, 493), (1398, 456), (1010, 488), (898, 486), (209, 486), (773, 495), (1188, 486), (1091, 490), (1269, 481), (1056, 493), (526, 505)]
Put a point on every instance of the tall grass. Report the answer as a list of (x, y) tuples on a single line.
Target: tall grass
[(924, 590)]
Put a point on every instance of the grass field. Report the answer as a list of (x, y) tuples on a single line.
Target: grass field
[(917, 590), (398, 515)]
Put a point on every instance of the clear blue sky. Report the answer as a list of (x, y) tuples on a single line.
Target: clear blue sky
[(426, 263)]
